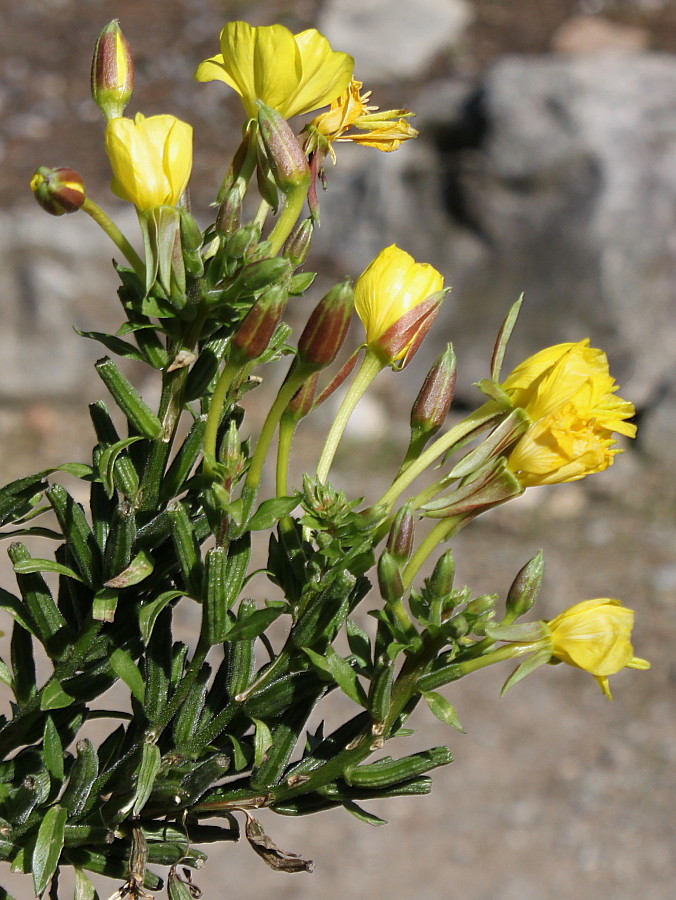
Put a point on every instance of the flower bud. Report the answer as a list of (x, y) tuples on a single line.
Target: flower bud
[(327, 327), (229, 218), (298, 243), (231, 457), (303, 400), (260, 274), (389, 578), (400, 539), (525, 587), (255, 332), (440, 583), (436, 394), (58, 191), (287, 161), (112, 71)]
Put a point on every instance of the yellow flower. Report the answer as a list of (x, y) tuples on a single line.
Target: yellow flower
[(393, 298), (293, 74), (151, 159), (568, 393), (384, 130), (595, 635)]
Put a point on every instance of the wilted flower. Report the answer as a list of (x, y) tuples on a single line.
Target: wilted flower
[(384, 130), (397, 299), (568, 393), (151, 159), (293, 74), (595, 635)]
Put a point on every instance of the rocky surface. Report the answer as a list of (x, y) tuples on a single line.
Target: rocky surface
[(551, 174)]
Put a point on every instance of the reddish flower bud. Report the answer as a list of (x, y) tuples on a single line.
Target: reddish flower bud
[(112, 71), (400, 539), (327, 327), (287, 161), (298, 243), (303, 400), (254, 334), (436, 395), (58, 191), (390, 581)]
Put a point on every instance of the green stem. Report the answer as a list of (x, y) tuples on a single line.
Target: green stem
[(288, 217), (370, 366), (444, 529), (454, 671), (106, 223), (478, 419), (287, 429), (216, 404), (294, 379), (171, 403)]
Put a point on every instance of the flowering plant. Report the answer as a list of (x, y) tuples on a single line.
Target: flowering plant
[(181, 499)]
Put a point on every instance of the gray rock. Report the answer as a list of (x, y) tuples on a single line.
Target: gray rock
[(555, 177), (394, 38)]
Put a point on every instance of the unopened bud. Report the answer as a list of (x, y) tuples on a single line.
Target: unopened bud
[(287, 161), (298, 243), (231, 457), (389, 578), (400, 539), (241, 240), (436, 395), (440, 583), (525, 587), (112, 71), (327, 327), (229, 217), (58, 191), (260, 274), (254, 334), (303, 400)]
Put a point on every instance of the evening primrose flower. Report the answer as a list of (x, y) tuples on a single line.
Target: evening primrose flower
[(151, 159), (595, 635), (569, 395), (293, 74), (397, 299), (384, 130)]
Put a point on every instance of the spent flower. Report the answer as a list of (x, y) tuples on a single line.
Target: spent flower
[(292, 73), (384, 130), (569, 395)]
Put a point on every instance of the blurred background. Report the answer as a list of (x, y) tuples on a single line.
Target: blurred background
[(546, 164)]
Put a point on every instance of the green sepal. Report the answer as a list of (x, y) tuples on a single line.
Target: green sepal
[(528, 665), (503, 338), (300, 282)]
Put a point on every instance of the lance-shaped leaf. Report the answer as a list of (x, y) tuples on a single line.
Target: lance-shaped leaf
[(128, 399), (48, 847)]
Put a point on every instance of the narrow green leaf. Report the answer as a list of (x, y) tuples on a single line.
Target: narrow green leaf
[(82, 544), (138, 569), (48, 847), (5, 675), (128, 399), (147, 773), (361, 814), (84, 889), (54, 697), (262, 742), (27, 566), (53, 751), (271, 511), (115, 344), (108, 460), (150, 611), (15, 608), (81, 778), (341, 672), (104, 605), (126, 669), (254, 624), (443, 710)]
